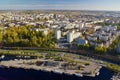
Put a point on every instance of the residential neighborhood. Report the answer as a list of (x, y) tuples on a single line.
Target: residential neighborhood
[(79, 29), (59, 39)]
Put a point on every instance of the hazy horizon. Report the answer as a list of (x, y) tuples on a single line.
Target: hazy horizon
[(100, 5)]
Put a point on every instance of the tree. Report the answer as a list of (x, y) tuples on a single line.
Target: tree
[(24, 36), (85, 46), (1, 35), (34, 40), (100, 49)]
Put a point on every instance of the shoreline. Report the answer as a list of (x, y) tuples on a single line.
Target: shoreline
[(17, 64), (113, 67), (105, 74)]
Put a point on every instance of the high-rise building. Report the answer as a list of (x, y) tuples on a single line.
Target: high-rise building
[(57, 34), (69, 37), (72, 35)]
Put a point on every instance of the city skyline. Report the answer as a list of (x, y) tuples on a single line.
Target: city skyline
[(110, 5)]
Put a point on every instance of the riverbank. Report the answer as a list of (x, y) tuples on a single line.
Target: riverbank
[(40, 54), (62, 56), (113, 67), (58, 67), (88, 53)]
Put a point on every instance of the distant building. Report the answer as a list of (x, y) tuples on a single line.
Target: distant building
[(70, 26), (69, 37), (82, 41), (72, 35), (57, 34), (106, 28), (97, 27), (103, 38)]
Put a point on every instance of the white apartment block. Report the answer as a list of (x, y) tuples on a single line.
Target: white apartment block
[(72, 35), (57, 34), (69, 37)]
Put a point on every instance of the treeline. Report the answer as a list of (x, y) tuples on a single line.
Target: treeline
[(114, 46), (97, 49), (26, 37), (103, 23), (1, 34)]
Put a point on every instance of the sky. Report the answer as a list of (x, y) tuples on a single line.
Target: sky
[(110, 5)]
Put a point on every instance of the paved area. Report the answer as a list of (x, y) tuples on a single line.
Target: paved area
[(92, 69)]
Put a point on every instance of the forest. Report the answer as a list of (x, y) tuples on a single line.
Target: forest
[(24, 36)]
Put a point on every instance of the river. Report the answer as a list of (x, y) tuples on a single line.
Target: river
[(30, 74), (23, 74)]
